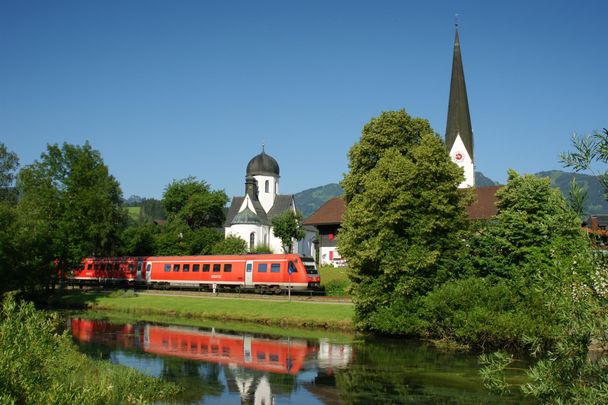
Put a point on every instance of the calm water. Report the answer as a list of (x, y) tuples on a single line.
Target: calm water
[(224, 367)]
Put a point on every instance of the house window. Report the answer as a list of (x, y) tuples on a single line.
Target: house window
[(331, 236), (267, 187), (251, 240)]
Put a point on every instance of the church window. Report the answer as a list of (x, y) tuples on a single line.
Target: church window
[(267, 186), (251, 240)]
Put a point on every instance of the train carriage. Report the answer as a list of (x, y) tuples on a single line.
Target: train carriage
[(267, 272)]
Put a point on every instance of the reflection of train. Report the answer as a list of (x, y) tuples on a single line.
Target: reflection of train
[(260, 272), (282, 356)]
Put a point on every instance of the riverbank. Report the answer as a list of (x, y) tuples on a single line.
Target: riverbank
[(337, 316)]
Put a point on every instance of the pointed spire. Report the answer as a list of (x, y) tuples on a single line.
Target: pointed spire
[(459, 120)]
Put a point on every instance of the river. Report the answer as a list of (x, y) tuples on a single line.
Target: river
[(222, 366)]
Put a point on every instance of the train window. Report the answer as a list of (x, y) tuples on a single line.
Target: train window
[(225, 351), (261, 356), (167, 268), (116, 266), (262, 267), (275, 268), (215, 349), (89, 266), (196, 267), (186, 268), (274, 357), (176, 267), (227, 268), (292, 268), (217, 267), (82, 266), (103, 267), (131, 267), (97, 266), (206, 268)]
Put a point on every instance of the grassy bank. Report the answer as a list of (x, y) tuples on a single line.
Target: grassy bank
[(277, 313), (41, 367), (335, 280)]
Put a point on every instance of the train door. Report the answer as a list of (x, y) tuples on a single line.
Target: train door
[(247, 349), (249, 273), (140, 266), (148, 272)]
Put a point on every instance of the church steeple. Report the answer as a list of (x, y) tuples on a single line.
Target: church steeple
[(458, 132)]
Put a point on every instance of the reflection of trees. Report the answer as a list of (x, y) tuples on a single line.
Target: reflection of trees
[(198, 380), (392, 372)]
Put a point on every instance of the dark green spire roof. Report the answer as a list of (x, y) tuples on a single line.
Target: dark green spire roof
[(459, 120)]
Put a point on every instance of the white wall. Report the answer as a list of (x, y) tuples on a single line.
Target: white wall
[(267, 198)]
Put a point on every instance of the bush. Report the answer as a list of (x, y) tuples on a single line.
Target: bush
[(40, 366)]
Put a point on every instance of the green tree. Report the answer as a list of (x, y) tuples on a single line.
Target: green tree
[(231, 245), (577, 196), (589, 151), (287, 227), (404, 217), (194, 203), (139, 240), (70, 207), (9, 162)]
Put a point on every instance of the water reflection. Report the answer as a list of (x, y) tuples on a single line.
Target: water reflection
[(217, 366)]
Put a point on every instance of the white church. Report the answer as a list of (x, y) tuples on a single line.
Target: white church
[(250, 217)]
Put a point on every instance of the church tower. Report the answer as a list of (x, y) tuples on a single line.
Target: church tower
[(458, 132)]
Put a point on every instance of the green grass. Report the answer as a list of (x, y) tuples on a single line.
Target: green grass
[(269, 312), (335, 280), (133, 212)]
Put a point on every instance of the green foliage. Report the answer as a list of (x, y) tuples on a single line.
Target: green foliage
[(335, 280), (193, 202), (177, 238), (287, 227), (577, 196), (589, 150), (140, 240), (9, 162), (404, 214), (261, 249), (69, 207), (40, 366), (231, 245)]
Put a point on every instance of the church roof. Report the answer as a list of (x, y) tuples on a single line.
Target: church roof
[(281, 204), (237, 203), (459, 120), (263, 164), (246, 217)]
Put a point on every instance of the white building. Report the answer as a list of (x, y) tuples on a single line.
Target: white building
[(250, 217)]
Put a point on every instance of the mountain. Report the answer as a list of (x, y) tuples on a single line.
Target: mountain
[(483, 181), (308, 201), (595, 203)]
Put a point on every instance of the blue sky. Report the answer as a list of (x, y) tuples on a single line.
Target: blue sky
[(168, 89)]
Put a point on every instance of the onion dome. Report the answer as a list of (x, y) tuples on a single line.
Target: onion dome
[(263, 164)]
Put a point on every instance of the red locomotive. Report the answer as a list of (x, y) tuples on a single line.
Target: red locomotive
[(266, 272)]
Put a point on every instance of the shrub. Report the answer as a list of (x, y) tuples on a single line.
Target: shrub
[(40, 366)]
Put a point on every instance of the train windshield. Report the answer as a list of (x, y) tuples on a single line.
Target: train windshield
[(309, 265)]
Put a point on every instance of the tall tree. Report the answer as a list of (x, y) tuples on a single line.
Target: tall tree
[(404, 214), (70, 204), (589, 151), (9, 162), (287, 227)]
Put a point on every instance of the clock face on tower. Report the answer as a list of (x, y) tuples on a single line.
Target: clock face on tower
[(459, 156)]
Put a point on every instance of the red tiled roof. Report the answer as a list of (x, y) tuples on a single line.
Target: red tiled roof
[(329, 213), (483, 207)]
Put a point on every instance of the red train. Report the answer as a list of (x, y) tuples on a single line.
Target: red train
[(269, 272)]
